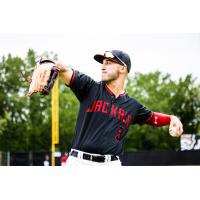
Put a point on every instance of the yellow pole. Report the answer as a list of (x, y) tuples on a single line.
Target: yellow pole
[(55, 120)]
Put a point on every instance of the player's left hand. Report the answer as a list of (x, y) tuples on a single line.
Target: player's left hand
[(175, 127)]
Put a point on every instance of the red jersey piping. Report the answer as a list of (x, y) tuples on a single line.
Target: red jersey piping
[(111, 93)]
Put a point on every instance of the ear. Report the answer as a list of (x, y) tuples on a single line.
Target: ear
[(123, 69)]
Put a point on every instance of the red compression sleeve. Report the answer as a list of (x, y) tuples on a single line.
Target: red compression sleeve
[(158, 119)]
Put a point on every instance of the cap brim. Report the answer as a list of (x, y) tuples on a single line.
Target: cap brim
[(99, 58)]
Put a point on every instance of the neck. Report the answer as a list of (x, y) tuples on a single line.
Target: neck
[(117, 87)]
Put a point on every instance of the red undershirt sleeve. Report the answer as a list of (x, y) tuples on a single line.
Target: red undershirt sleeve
[(158, 119)]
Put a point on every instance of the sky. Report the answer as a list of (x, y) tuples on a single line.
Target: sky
[(158, 35), (175, 53)]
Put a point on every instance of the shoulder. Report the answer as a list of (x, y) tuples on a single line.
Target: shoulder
[(81, 78), (132, 100)]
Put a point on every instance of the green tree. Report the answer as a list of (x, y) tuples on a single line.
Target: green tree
[(68, 113), (160, 93), (25, 122), (39, 113), (12, 113), (186, 104)]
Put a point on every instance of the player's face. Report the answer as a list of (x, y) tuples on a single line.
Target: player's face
[(109, 70)]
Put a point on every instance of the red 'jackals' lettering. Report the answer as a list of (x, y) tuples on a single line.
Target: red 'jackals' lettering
[(115, 111)]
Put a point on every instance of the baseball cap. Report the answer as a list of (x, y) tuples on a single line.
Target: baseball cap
[(117, 56)]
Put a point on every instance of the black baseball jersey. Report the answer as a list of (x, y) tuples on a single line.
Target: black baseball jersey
[(103, 120)]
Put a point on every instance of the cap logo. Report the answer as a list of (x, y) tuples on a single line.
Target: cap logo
[(108, 54)]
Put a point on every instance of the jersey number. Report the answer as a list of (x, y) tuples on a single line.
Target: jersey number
[(119, 133)]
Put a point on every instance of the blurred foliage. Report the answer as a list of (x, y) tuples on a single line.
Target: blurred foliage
[(25, 123), (159, 93)]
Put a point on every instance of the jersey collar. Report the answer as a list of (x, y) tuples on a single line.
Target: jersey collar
[(111, 93)]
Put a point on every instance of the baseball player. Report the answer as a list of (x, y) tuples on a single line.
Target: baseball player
[(107, 111)]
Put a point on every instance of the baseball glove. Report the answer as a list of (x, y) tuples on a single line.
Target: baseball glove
[(43, 78)]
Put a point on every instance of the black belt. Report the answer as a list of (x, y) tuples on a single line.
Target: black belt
[(94, 158)]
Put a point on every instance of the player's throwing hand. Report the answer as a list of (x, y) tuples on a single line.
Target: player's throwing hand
[(175, 127)]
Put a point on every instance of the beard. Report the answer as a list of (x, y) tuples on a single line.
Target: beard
[(108, 77)]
